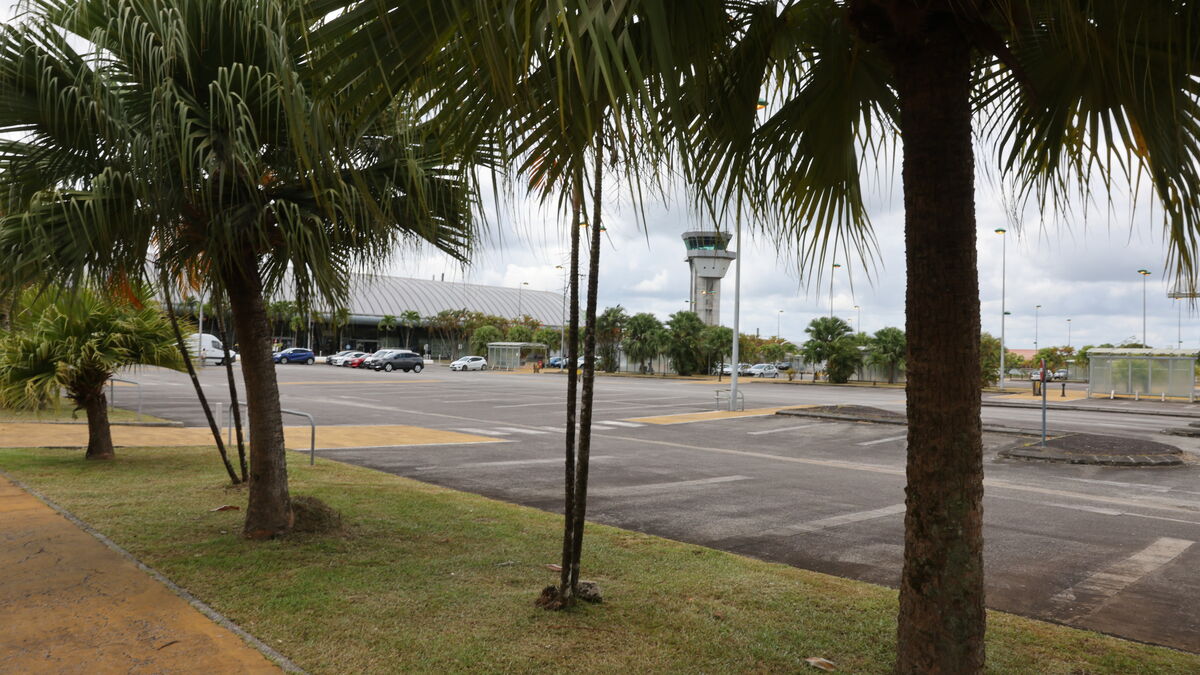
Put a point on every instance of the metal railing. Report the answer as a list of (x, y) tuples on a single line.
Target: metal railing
[(723, 394), (112, 391), (226, 421)]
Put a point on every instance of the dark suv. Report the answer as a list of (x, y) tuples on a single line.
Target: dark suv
[(397, 359)]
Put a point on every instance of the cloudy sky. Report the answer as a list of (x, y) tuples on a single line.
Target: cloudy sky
[(1084, 269)]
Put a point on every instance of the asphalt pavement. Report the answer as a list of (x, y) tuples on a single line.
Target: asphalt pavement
[(1111, 549)]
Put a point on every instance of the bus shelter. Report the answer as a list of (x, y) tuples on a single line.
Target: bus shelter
[(512, 355), (1142, 372)]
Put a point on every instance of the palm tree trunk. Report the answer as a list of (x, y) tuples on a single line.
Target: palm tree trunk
[(566, 589), (269, 513), (191, 369), (100, 445), (941, 620), (589, 371), (234, 408)]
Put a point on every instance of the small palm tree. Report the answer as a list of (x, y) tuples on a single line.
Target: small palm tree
[(888, 348), (639, 342), (386, 325), (410, 318), (76, 342)]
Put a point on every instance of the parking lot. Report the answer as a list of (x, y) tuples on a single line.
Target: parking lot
[(1104, 548)]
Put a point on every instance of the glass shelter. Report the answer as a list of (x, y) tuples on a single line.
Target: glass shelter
[(513, 355), (1142, 372)]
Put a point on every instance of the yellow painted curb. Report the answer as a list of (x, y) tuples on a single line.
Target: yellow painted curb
[(684, 418), (30, 434), (73, 605)]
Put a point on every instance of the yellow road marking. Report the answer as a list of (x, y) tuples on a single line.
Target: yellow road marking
[(25, 434), (684, 418), (1051, 395)]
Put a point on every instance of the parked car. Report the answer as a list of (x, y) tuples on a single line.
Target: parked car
[(1037, 375), (743, 369), (208, 350), (469, 363), (336, 359), (345, 360), (1060, 374), (783, 365), (764, 370), (356, 361), (388, 360), (295, 355), (557, 362)]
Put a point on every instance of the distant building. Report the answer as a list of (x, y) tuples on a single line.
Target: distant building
[(373, 297), (708, 259)]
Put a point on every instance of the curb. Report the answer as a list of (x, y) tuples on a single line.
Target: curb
[(1098, 460), (220, 619), (1085, 408), (989, 428)]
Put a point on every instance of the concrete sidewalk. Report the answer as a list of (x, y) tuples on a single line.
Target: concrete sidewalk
[(70, 604)]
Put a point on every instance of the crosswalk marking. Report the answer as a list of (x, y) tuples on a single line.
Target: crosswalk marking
[(519, 430), (1089, 595), (885, 440)]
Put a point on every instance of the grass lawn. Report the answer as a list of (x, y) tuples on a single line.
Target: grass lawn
[(65, 412), (425, 579)]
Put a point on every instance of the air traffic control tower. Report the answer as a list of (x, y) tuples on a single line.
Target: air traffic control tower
[(708, 259)]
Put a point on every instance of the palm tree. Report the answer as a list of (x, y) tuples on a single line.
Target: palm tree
[(610, 325), (888, 347), (639, 342), (338, 319), (76, 341), (1069, 94), (411, 318), (824, 332), (386, 325), (193, 132)]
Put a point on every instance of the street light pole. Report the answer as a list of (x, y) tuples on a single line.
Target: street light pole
[(778, 319), (1179, 323), (1144, 273), (1068, 333), (858, 321), (520, 290), (831, 273), (1003, 279), (1036, 309)]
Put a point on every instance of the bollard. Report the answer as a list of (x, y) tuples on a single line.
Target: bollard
[(1064, 390)]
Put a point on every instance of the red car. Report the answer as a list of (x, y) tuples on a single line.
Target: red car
[(357, 361)]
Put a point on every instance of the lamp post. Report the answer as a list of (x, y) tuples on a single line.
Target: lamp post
[(1179, 323), (1068, 333), (1003, 280), (520, 289), (1036, 309), (831, 273), (1144, 273), (778, 319), (858, 321), (562, 329), (737, 291)]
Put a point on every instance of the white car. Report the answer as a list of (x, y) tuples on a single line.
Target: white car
[(343, 358), (470, 363), (764, 370)]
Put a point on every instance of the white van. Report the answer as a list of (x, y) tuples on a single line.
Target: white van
[(208, 350)]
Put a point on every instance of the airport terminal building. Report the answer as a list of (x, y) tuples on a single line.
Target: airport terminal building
[(372, 297)]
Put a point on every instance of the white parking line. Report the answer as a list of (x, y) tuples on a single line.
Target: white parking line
[(885, 440), (618, 423), (485, 432), (834, 521), (1089, 595), (510, 462), (776, 431), (516, 430), (664, 487)]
